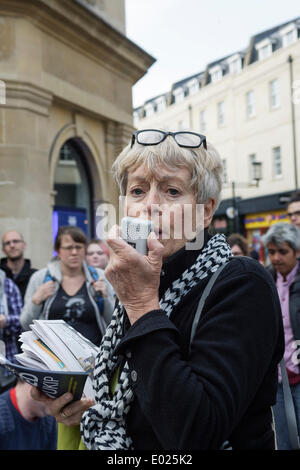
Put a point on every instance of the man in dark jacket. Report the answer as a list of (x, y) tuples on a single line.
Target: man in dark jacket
[(15, 265), (283, 243)]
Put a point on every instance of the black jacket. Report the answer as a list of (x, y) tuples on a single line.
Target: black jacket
[(225, 387), (22, 279), (294, 301)]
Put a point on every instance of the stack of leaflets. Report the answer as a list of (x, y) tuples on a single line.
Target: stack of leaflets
[(56, 359)]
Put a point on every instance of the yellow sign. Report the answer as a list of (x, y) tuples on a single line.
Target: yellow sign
[(265, 219)]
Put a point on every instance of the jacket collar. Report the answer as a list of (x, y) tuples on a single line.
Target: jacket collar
[(54, 267), (26, 268), (273, 272)]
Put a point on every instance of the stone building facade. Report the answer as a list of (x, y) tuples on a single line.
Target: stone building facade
[(66, 73)]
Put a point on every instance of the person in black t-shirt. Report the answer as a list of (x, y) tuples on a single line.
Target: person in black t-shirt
[(66, 289)]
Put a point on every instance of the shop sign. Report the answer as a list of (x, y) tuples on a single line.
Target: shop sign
[(265, 219)]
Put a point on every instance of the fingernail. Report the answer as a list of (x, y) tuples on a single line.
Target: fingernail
[(68, 396)]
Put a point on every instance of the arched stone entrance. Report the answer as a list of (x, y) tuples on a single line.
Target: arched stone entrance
[(73, 188)]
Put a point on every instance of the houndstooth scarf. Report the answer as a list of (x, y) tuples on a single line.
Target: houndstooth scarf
[(103, 425)]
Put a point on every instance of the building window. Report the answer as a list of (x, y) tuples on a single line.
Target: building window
[(235, 66), (265, 48), (221, 113), (66, 155), (193, 86), (225, 175), (161, 105), (289, 38), (274, 94), (149, 110), (203, 121), (277, 161), (179, 95), (250, 109), (235, 63), (74, 188), (289, 34), (216, 73), (264, 52)]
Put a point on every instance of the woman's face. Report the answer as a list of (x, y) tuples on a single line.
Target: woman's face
[(166, 198), (236, 250), (71, 253), (96, 257)]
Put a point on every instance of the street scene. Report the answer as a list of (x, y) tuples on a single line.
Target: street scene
[(150, 228)]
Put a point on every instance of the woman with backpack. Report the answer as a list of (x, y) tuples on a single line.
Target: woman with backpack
[(70, 290)]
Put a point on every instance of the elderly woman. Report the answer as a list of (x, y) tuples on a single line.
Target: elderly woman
[(68, 289), (155, 390), (282, 242)]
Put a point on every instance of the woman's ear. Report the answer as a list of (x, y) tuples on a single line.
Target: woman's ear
[(209, 207)]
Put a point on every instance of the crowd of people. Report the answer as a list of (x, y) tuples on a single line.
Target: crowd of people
[(73, 283), (190, 340)]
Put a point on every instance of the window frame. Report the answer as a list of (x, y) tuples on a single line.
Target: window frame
[(271, 94), (250, 106), (275, 174), (221, 122)]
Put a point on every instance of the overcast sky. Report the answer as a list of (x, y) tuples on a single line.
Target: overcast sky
[(185, 35)]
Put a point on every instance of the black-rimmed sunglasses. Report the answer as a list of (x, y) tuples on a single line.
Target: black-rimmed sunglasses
[(182, 138)]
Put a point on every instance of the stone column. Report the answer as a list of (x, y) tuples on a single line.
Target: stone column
[(25, 203)]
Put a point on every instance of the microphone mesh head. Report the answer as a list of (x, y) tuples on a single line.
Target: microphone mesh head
[(134, 229)]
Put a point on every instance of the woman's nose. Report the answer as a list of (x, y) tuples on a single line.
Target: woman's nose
[(152, 201)]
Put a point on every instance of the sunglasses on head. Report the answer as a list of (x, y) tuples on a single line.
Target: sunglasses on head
[(185, 139)]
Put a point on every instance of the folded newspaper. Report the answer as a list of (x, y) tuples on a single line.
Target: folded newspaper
[(56, 359)]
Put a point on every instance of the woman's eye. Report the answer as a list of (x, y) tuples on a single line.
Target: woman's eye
[(136, 191), (173, 191)]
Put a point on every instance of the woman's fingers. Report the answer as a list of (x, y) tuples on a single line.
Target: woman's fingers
[(61, 410), (71, 415)]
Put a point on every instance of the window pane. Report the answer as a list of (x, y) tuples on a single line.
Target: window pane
[(277, 163), (274, 93), (203, 121), (221, 117), (250, 103)]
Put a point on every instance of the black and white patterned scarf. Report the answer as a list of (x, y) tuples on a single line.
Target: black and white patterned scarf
[(103, 425)]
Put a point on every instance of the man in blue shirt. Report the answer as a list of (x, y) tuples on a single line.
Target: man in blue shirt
[(24, 422)]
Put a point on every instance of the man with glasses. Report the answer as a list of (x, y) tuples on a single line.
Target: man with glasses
[(293, 209), (15, 266)]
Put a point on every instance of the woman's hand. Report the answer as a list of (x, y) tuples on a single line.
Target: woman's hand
[(135, 277), (43, 292), (70, 415), (100, 286)]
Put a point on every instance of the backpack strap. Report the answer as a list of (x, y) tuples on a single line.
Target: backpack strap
[(93, 272), (288, 399), (47, 277), (99, 297), (289, 408), (204, 296)]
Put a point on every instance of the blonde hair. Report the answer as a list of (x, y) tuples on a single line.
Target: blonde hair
[(205, 166)]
